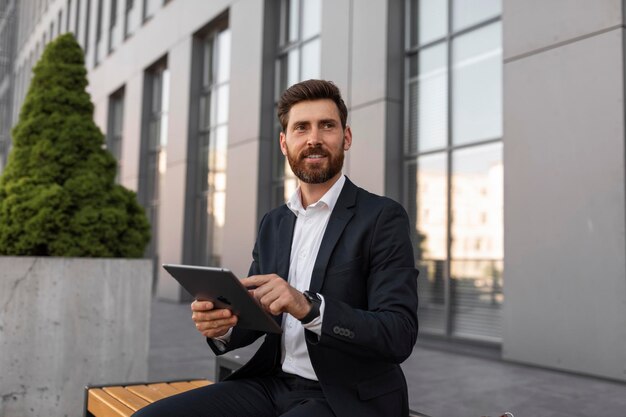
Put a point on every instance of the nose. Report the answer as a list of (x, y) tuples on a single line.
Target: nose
[(314, 138)]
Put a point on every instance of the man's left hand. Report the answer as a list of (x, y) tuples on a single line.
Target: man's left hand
[(277, 296)]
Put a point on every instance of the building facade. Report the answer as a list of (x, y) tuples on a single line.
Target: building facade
[(498, 124)]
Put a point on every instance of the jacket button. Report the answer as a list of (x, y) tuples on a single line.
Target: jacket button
[(336, 330)]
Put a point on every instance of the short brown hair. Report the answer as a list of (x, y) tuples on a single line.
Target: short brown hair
[(310, 90)]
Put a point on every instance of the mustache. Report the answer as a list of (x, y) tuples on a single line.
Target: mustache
[(313, 151)]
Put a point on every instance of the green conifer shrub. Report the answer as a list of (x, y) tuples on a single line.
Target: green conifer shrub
[(58, 195)]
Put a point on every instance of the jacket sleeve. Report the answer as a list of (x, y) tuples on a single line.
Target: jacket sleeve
[(387, 329)]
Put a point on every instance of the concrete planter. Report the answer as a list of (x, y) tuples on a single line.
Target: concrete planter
[(66, 323)]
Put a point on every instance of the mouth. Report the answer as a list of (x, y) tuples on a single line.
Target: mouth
[(315, 157)]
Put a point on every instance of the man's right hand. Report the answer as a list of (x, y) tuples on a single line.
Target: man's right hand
[(210, 321)]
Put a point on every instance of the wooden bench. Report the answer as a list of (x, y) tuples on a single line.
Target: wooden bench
[(124, 400)]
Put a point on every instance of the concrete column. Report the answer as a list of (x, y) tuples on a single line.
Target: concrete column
[(564, 199)]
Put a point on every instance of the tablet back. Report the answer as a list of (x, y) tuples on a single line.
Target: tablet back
[(225, 290)]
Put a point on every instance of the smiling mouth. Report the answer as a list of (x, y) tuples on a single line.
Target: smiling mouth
[(315, 157)]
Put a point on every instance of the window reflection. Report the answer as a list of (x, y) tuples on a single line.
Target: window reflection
[(477, 240), (428, 96), (311, 60), (155, 154), (470, 12), (311, 18), (132, 17), (115, 127), (150, 7), (427, 209), (212, 141), (432, 20), (298, 59), (477, 85), (453, 164)]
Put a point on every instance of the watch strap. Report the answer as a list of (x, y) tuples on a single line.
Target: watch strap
[(315, 302)]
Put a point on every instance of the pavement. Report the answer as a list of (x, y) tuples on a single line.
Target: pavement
[(444, 380)]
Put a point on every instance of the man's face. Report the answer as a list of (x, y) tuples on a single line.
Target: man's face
[(314, 141)]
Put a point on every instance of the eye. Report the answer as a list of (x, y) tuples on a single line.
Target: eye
[(328, 125)]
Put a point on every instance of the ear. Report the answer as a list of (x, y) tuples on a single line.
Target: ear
[(347, 138), (283, 143)]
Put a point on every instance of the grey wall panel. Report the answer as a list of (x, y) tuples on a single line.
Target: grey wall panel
[(336, 51), (367, 155), (564, 202), (536, 24), (369, 52)]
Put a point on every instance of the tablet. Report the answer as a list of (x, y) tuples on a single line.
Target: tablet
[(224, 289)]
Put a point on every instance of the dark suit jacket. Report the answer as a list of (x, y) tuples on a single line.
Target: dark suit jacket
[(366, 272)]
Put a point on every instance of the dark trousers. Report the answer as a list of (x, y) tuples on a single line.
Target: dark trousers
[(282, 395)]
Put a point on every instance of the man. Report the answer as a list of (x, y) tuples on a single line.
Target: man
[(335, 267)]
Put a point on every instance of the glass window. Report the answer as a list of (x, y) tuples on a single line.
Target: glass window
[(311, 18), (150, 7), (115, 25), (99, 37), (77, 20), (428, 99), (68, 9), (154, 157), (87, 20), (209, 198), (432, 21), (115, 127), (477, 85), (298, 59), (477, 241), (470, 12), (453, 167), (132, 17), (427, 201)]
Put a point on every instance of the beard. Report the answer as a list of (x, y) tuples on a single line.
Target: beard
[(316, 173)]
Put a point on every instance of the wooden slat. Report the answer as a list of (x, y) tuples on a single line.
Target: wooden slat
[(147, 393), (128, 398), (164, 389), (118, 401), (200, 383), (183, 386), (101, 404)]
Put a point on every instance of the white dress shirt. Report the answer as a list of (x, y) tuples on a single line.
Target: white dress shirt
[(307, 237)]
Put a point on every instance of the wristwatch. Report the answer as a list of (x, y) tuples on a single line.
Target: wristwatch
[(315, 301)]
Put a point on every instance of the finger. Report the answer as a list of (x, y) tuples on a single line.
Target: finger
[(216, 324), (256, 280), (220, 330), (201, 305), (210, 315)]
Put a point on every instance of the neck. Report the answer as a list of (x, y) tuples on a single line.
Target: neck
[(311, 193)]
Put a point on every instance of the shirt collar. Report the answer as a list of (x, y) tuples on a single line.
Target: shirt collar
[(329, 199)]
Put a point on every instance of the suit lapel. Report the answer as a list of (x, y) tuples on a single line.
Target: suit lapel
[(339, 218), (283, 251), (285, 237)]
